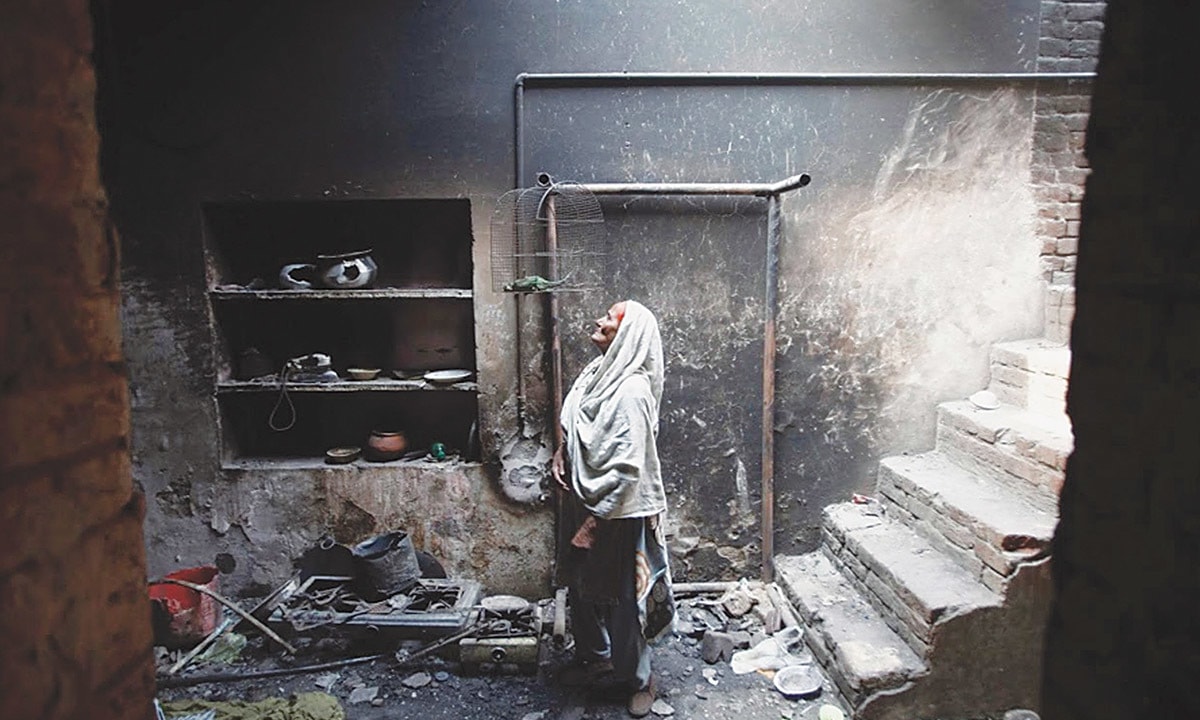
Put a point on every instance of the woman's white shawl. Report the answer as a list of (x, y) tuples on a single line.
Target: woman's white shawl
[(610, 423)]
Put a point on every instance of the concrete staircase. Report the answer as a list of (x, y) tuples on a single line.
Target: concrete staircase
[(931, 602)]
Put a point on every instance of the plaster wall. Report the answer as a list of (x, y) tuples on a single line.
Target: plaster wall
[(911, 252)]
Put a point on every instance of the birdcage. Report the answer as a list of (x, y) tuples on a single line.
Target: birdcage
[(548, 238)]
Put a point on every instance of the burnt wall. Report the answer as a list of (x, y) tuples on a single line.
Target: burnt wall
[(912, 251)]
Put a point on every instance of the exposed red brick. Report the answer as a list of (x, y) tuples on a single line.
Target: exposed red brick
[(54, 420), (49, 334), (42, 515), (74, 630), (49, 158), (73, 248)]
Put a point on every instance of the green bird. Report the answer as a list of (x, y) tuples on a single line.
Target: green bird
[(534, 283)]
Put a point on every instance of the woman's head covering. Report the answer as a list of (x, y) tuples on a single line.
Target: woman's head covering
[(635, 350), (610, 422)]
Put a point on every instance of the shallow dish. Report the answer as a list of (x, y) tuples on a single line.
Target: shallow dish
[(985, 400), (342, 455), (447, 376), (363, 373), (798, 681), (408, 374)]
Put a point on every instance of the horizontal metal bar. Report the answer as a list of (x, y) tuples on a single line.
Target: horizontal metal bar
[(447, 619), (756, 189), (667, 79)]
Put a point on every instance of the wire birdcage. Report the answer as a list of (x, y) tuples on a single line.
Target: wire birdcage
[(546, 239)]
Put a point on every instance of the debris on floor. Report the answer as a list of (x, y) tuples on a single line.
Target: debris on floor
[(444, 648)]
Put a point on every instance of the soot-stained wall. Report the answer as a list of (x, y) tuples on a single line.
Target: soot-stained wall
[(907, 256), (910, 253)]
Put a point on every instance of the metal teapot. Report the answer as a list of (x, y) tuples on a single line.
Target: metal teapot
[(347, 270), (343, 271)]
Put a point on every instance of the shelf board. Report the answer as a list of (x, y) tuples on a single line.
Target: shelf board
[(313, 463), (369, 294), (344, 386)]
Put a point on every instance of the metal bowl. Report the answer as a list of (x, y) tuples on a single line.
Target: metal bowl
[(342, 455), (798, 681)]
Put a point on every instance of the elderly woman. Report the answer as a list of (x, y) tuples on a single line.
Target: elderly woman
[(618, 578)]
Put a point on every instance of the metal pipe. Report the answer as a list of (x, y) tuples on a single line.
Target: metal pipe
[(768, 391), (555, 366), (756, 189), (703, 587), (179, 682), (787, 612), (552, 300), (519, 172), (694, 79)]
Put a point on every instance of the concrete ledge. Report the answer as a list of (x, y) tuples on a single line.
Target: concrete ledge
[(452, 510), (1013, 445), (846, 635), (1044, 394), (1004, 529), (1037, 355), (907, 580)]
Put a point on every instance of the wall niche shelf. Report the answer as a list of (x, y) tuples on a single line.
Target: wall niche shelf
[(230, 294), (420, 465), (417, 315), (344, 386)]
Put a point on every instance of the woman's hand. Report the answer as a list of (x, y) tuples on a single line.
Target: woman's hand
[(557, 468)]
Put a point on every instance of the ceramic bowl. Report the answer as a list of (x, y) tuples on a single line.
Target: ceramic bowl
[(342, 455), (363, 373)]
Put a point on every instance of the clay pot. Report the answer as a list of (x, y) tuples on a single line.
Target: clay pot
[(385, 445)]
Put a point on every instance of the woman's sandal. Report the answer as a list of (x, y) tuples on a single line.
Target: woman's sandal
[(642, 700)]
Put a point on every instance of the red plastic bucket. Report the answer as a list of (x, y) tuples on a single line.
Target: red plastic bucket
[(191, 615)]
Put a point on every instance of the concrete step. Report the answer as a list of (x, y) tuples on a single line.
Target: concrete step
[(1026, 450), (906, 579), (861, 654), (1031, 374), (981, 524)]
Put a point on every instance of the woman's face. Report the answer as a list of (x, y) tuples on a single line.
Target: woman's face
[(607, 326)]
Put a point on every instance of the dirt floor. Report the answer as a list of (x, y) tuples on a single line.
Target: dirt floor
[(438, 687)]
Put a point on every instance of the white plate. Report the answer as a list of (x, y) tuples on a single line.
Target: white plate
[(447, 376), (985, 400)]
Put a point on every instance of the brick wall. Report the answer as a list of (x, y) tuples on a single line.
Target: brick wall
[(75, 638), (1124, 634), (1070, 42)]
